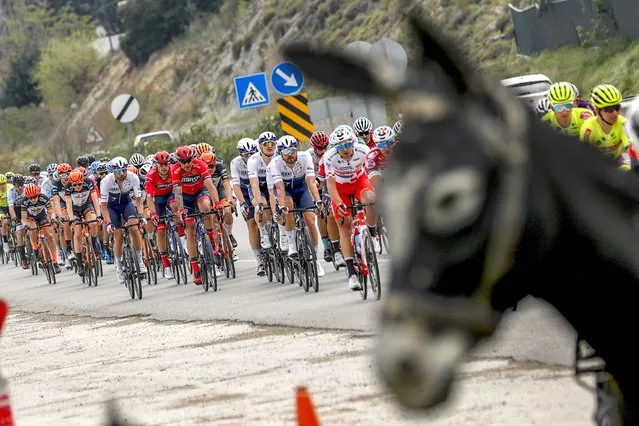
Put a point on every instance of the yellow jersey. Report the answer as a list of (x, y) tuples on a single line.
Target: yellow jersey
[(613, 143), (579, 115), (4, 202)]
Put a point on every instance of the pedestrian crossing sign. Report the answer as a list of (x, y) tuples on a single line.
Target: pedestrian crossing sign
[(251, 91)]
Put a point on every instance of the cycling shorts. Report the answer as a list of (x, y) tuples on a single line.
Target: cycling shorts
[(81, 211), (355, 189), (190, 201), (116, 211), (162, 203)]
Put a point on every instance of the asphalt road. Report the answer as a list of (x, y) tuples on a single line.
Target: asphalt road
[(534, 333)]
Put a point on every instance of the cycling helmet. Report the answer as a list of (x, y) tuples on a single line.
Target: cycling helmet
[(145, 169), (383, 134), (285, 142), (149, 159), (94, 166), (543, 106), (605, 95), (561, 93), (91, 158), (245, 145), (9, 176), (31, 190), (184, 153), (64, 168), (397, 127), (266, 136), (76, 176), (161, 157), (82, 169), (208, 157), (319, 139), (83, 161), (203, 147), (173, 158), (362, 125), (341, 135), (131, 168), (574, 89), (34, 168), (3, 179), (29, 179), (102, 168), (254, 147), (105, 159), (18, 180), (118, 163), (136, 160)]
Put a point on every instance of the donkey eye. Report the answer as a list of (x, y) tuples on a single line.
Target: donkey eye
[(453, 200)]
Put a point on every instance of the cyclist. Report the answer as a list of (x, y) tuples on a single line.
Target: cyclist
[(34, 210), (47, 183), (34, 172), (82, 203), (258, 189), (203, 147), (581, 103), (100, 173), (327, 227), (384, 138), (606, 130), (565, 117), (293, 175), (241, 187), (222, 184), (83, 161), (4, 211), (363, 128), (193, 187), (159, 192), (14, 199), (60, 208), (346, 176), (543, 107), (118, 192)]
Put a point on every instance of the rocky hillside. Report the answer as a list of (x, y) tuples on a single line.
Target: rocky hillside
[(192, 80)]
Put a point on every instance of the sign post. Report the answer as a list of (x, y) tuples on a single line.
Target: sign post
[(125, 108)]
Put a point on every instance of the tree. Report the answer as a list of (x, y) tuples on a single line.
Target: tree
[(67, 67), (19, 86), (151, 25)]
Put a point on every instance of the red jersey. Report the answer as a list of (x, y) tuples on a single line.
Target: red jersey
[(369, 142), (95, 185), (155, 186), (321, 169), (375, 162), (193, 181)]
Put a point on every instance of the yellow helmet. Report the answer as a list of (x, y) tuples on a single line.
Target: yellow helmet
[(3, 179), (605, 95), (561, 93)]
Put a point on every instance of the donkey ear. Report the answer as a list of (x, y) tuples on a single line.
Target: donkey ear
[(438, 49), (336, 68)]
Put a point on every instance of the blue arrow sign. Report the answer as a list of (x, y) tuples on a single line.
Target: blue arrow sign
[(287, 78), (251, 91)]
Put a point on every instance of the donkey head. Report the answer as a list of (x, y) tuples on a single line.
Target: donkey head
[(452, 199)]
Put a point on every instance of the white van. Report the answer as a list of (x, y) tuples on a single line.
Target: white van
[(148, 137), (530, 88)]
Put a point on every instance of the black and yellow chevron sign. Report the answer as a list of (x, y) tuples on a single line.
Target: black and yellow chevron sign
[(296, 116)]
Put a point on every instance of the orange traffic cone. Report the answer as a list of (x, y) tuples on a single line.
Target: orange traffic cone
[(305, 411)]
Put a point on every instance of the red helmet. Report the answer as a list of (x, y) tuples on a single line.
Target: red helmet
[(184, 153), (64, 168), (31, 190), (82, 170), (161, 157), (319, 139)]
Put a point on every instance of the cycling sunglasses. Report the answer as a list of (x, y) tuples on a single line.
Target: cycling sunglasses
[(187, 161), (559, 107), (363, 133), (269, 143), (63, 175), (612, 108), (119, 171), (344, 146), (288, 151), (385, 144), (163, 164), (78, 185)]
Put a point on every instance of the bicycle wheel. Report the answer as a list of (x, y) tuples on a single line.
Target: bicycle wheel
[(269, 263), (91, 267), (181, 259), (228, 256), (205, 262), (212, 270), (372, 268), (43, 260), (137, 280), (152, 273), (381, 230), (311, 260), (128, 270), (85, 265)]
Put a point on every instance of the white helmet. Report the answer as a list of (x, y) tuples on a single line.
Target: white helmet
[(341, 135), (543, 106), (145, 169), (286, 141), (118, 163), (266, 136), (362, 125), (136, 159), (254, 147), (397, 127), (383, 134), (149, 159), (574, 89), (245, 145)]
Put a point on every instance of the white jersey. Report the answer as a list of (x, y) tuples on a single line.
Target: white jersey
[(256, 167), (239, 172), (45, 188), (346, 171), (316, 158), (293, 177), (110, 191)]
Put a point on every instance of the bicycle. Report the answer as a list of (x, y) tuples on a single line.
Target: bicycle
[(150, 256), (131, 264), (306, 261), (91, 263), (223, 242), (273, 259), (175, 250), (41, 255), (383, 236), (206, 256), (364, 254)]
